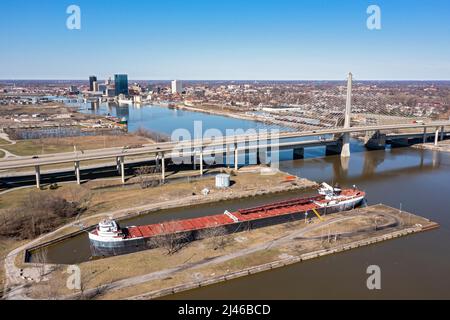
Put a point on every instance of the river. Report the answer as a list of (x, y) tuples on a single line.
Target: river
[(414, 180)]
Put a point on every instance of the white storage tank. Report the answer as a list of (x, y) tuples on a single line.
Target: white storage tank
[(223, 181)]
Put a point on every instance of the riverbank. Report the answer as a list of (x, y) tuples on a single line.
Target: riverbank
[(201, 263), (443, 146), (237, 115), (109, 199)]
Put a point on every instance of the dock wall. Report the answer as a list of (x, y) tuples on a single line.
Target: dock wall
[(283, 263)]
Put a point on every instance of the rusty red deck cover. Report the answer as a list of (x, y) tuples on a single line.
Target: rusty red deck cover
[(293, 206)]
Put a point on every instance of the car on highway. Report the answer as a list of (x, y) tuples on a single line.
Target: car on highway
[(134, 146)]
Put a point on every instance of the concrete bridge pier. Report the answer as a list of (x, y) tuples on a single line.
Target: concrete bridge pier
[(236, 157), (163, 167), (201, 161), (299, 153), (424, 135), (38, 176), (77, 172), (345, 149), (226, 156), (436, 137), (121, 161), (442, 133), (118, 164)]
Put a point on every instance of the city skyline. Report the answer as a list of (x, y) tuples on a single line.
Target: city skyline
[(313, 40)]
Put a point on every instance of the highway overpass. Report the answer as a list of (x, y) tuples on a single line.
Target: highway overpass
[(232, 146)]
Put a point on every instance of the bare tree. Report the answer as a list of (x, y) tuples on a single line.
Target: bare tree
[(217, 237), (145, 179), (38, 213), (155, 136), (79, 196), (40, 259), (172, 240), (142, 174)]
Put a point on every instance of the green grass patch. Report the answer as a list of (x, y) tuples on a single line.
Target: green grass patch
[(66, 144), (3, 141), (34, 147)]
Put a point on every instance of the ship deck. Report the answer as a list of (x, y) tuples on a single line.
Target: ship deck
[(293, 206)]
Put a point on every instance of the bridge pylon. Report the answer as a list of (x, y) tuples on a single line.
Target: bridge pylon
[(347, 120)]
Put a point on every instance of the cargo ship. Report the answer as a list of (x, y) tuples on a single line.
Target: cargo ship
[(109, 239)]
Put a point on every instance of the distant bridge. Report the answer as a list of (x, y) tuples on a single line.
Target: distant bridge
[(336, 141)]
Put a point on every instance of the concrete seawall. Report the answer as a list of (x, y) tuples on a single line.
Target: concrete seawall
[(443, 146), (285, 262)]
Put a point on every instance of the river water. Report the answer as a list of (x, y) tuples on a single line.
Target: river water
[(167, 120), (413, 267)]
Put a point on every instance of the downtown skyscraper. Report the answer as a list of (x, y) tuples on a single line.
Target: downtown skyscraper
[(121, 84)]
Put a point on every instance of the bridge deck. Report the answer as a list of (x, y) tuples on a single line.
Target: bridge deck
[(169, 147)]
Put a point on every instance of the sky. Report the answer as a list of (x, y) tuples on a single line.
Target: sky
[(225, 40)]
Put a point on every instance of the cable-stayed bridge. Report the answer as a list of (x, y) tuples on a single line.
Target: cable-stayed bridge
[(330, 120)]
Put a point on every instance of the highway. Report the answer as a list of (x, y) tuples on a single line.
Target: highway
[(170, 147)]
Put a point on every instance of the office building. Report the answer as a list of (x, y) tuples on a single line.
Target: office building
[(92, 79), (177, 87), (110, 92), (73, 90), (95, 86), (121, 84), (102, 88)]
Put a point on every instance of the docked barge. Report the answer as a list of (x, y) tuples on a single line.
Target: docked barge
[(109, 239)]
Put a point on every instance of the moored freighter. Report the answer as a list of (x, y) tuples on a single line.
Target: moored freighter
[(110, 239)]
